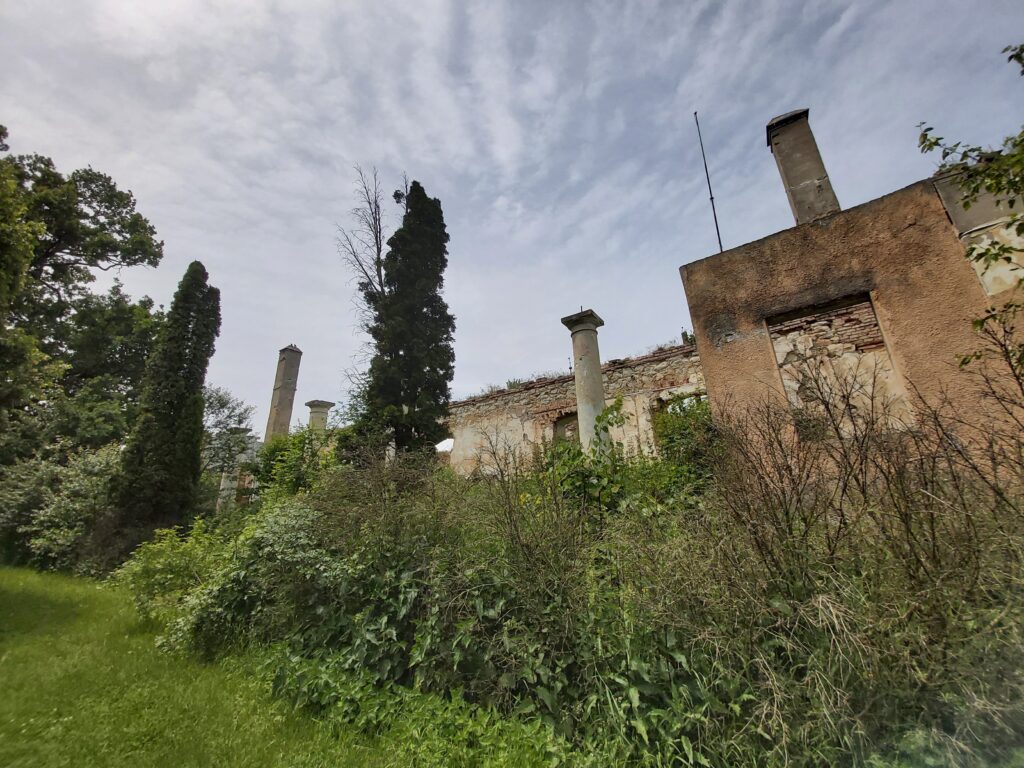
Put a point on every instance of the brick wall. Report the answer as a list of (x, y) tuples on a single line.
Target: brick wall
[(841, 344)]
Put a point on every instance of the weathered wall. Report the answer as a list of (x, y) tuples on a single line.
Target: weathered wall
[(900, 250), (525, 416), (838, 348)]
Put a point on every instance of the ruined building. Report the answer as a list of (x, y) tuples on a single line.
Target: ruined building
[(881, 290)]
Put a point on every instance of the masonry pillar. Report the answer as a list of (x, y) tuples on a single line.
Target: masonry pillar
[(587, 368), (287, 379), (318, 410)]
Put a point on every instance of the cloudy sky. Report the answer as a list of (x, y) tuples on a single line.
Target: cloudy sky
[(558, 136)]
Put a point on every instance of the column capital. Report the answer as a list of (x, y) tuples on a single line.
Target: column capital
[(587, 320), (320, 405)]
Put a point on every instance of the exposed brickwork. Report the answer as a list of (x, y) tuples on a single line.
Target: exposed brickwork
[(525, 415), (853, 324), (840, 342)]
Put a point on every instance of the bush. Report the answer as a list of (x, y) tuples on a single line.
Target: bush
[(163, 573), (50, 503), (25, 488), (57, 531), (790, 602)]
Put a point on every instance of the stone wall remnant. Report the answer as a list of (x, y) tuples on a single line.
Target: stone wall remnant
[(523, 418), (884, 286)]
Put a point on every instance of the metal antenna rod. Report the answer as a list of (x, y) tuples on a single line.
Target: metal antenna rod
[(708, 176)]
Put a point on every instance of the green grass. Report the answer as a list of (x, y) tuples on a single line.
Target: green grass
[(82, 684)]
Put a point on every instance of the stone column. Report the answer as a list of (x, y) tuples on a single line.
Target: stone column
[(318, 410), (280, 420), (587, 367)]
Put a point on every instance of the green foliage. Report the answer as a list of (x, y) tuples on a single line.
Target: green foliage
[(685, 433), (162, 572), (27, 388), (423, 730), (25, 488), (408, 388), (642, 617), (160, 470), (78, 495), (82, 222), (294, 462), (72, 361), (18, 234)]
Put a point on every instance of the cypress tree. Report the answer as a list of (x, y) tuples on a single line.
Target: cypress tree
[(409, 383), (158, 479)]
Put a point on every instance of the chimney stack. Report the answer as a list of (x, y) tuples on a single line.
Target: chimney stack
[(803, 173), (285, 383)]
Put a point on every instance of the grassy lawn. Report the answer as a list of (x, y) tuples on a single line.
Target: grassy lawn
[(81, 684)]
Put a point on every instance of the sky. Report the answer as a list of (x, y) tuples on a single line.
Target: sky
[(559, 137)]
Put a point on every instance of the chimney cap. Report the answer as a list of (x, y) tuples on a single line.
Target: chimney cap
[(777, 122), (319, 404), (291, 348)]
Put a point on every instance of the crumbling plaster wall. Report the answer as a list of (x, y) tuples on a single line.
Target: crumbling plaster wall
[(838, 349), (525, 416), (901, 249)]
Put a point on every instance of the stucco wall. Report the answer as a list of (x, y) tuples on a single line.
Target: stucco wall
[(525, 416), (902, 250)]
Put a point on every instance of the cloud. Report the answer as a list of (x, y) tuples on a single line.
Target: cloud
[(559, 138)]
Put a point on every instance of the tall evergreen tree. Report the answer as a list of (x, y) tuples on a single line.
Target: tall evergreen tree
[(160, 466), (409, 383)]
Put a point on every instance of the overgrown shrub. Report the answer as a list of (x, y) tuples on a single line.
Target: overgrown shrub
[(56, 532), (794, 602)]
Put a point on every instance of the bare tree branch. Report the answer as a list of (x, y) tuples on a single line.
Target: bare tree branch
[(361, 246)]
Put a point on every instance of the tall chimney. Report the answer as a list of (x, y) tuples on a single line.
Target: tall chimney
[(587, 368), (285, 382), (318, 410), (803, 173)]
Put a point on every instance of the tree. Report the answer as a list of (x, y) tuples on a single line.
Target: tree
[(82, 223), (54, 232), (106, 341), (408, 386), (158, 479), (227, 429), (18, 235), (361, 247)]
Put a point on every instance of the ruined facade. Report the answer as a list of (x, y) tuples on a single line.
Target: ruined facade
[(882, 290), (880, 295), (527, 415)]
